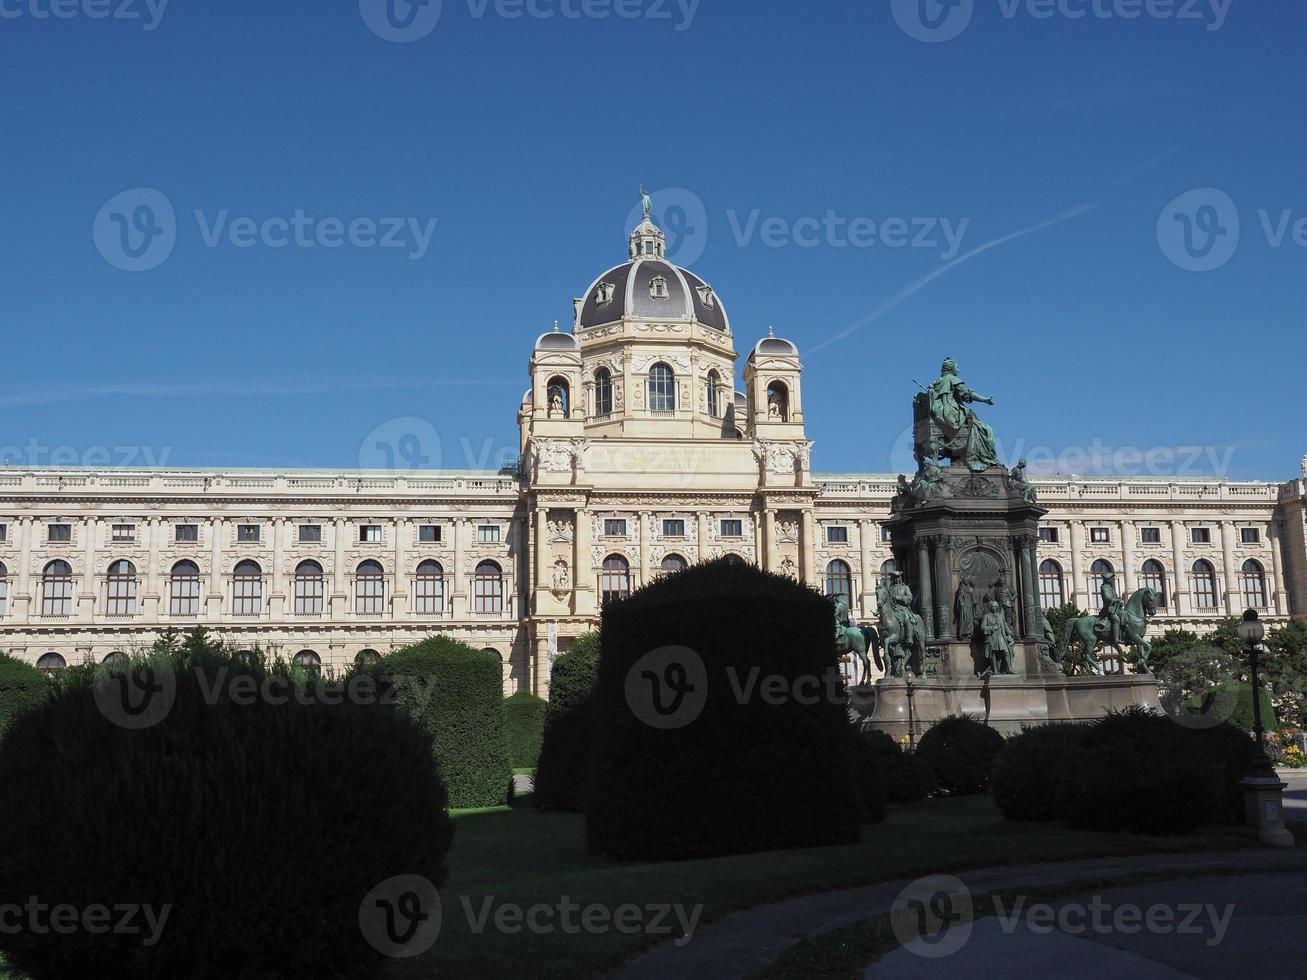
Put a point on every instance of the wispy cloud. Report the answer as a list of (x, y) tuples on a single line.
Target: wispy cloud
[(270, 388), (915, 287)]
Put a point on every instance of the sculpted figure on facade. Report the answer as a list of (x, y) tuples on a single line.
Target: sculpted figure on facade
[(1019, 483), (966, 608)]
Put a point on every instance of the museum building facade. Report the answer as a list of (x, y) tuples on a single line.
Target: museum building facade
[(638, 457)]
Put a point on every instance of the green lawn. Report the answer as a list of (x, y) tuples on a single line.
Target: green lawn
[(524, 857)]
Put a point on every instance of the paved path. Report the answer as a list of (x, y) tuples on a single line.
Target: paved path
[(1207, 927), (1295, 797), (737, 945), (523, 784)]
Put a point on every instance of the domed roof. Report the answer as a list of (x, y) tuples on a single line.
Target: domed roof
[(648, 287)]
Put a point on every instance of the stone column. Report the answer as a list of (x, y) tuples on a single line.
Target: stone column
[(538, 669), (339, 592), (1180, 574), (702, 519), (458, 604), (399, 604), (541, 554), (1233, 594), (1128, 558), (1030, 587), (150, 604), (1079, 595), (90, 589), (277, 598), (217, 574), (1275, 538), (924, 596), (867, 585), (773, 558), (27, 612), (644, 517), (583, 583), (944, 589), (808, 545)]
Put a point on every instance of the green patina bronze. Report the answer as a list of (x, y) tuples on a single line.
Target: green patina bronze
[(945, 427), (1119, 623), (1000, 641), (857, 640), (902, 631)]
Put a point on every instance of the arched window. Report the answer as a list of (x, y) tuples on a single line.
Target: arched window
[(247, 589), (488, 588), (839, 580), (184, 589), (369, 589), (1154, 577), (603, 392), (429, 589), (366, 658), (50, 664), (778, 402), (559, 394), (1252, 582), (1098, 571), (120, 589), (714, 395), (494, 654), (1052, 591), (671, 565), (662, 388), (57, 589), (310, 589), (615, 580), (887, 569), (4, 590), (309, 662), (1204, 584), (117, 659)]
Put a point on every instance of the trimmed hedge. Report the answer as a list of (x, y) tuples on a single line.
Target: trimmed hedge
[(873, 793), (458, 694), (1028, 778), (1139, 771), (961, 751), (22, 688), (524, 714), (261, 824), (743, 764), (906, 777), (564, 764)]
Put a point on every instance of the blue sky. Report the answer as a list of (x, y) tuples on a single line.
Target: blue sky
[(1015, 189)]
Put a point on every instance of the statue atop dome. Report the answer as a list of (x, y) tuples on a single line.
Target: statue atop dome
[(646, 201)]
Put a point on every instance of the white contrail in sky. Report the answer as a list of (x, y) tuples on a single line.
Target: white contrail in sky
[(912, 289)]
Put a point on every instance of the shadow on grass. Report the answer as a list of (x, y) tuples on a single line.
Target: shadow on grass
[(521, 858)]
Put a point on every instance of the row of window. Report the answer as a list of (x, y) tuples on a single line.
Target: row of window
[(616, 527), (1202, 583), (661, 389), (184, 591), (62, 533), (52, 663), (1153, 535)]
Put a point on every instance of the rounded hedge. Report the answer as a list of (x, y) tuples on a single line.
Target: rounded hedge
[(720, 720), (1139, 771), (258, 827), (961, 751), (563, 769), (1028, 778), (906, 777), (524, 715), (22, 688), (458, 694)]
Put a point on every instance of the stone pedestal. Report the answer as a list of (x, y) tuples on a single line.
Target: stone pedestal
[(1263, 797)]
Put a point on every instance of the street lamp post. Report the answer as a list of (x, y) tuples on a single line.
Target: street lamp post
[(912, 724), (1263, 789)]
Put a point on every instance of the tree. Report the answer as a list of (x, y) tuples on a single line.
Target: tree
[(1057, 620), (1286, 670), (1171, 644), (1226, 637)]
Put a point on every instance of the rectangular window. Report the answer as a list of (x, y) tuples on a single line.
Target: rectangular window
[(1099, 535), (1250, 535), (614, 528), (370, 533), (60, 532), (310, 534), (186, 532), (1048, 534), (429, 533), (673, 529), (837, 535), (124, 533), (886, 534), (4, 532), (733, 529), (488, 534), (1150, 535), (247, 532), (1202, 535)]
